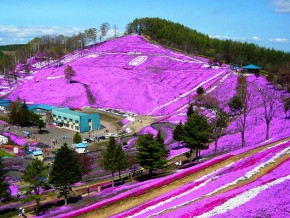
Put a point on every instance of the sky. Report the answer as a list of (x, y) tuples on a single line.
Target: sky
[(263, 22)]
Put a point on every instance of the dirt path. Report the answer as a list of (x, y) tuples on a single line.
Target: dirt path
[(135, 201)]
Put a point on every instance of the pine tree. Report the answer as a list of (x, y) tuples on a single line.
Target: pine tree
[(159, 137), (200, 90), (151, 154), (109, 158), (197, 132), (77, 138), (121, 160), (218, 124), (4, 186), (33, 175), (178, 132), (66, 170), (190, 110)]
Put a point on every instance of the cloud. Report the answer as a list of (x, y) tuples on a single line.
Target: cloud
[(282, 6), (256, 38), (281, 40), (22, 34)]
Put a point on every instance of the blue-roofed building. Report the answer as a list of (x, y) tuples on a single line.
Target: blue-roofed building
[(252, 68), (76, 121), (42, 109), (4, 103), (81, 148), (37, 154)]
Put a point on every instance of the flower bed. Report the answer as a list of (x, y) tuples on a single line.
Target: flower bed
[(16, 139), (209, 184)]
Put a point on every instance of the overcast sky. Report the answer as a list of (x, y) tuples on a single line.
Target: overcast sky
[(264, 22)]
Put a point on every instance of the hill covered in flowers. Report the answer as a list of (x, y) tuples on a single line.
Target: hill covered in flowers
[(127, 73)]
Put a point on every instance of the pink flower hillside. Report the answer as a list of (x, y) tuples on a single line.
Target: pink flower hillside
[(130, 74)]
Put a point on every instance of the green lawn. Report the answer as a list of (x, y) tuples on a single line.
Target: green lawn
[(4, 118), (3, 153)]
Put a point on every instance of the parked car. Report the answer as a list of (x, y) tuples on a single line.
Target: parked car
[(87, 140), (102, 137)]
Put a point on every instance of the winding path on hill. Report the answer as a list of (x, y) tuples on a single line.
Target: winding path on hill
[(133, 202)]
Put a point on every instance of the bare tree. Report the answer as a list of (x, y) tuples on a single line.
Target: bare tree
[(270, 103), (218, 124), (91, 35), (104, 28), (241, 106), (69, 73), (115, 30)]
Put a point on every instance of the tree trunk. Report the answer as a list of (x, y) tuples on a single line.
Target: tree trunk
[(196, 152), (243, 139), (267, 130), (150, 172), (37, 200), (65, 195), (113, 185), (216, 145), (120, 174), (37, 204)]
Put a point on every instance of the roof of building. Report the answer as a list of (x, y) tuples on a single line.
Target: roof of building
[(4, 101), (81, 145), (252, 67), (68, 111), (45, 107), (36, 153)]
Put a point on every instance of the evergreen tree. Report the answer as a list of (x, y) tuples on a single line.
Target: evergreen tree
[(4, 186), (66, 170), (200, 90), (235, 104), (77, 138), (34, 175), (121, 160), (218, 124), (109, 158), (190, 110), (159, 137), (197, 132), (39, 123), (151, 154), (178, 132)]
